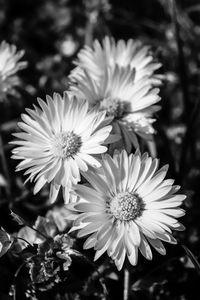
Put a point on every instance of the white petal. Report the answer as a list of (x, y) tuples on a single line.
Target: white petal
[(39, 184), (145, 248), (158, 245)]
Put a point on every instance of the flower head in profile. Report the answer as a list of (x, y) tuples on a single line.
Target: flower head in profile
[(128, 207), (9, 66), (60, 139), (131, 103), (109, 53)]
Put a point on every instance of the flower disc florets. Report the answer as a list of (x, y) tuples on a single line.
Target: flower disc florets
[(66, 144), (126, 206), (113, 107)]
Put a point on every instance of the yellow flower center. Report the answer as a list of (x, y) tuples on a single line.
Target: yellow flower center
[(66, 144), (126, 206), (113, 107)]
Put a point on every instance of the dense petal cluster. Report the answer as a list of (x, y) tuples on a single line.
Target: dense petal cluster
[(129, 206), (131, 103), (9, 66), (133, 53), (59, 140)]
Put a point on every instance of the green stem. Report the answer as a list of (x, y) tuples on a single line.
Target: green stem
[(183, 73), (5, 169), (43, 235), (182, 63), (126, 284)]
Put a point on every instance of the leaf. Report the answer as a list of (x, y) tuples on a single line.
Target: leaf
[(17, 218), (147, 284), (192, 258), (28, 235), (5, 242), (3, 182), (45, 226), (112, 276)]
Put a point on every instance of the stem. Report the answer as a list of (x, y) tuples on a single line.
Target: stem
[(43, 235), (182, 64), (186, 140), (90, 29), (21, 221), (185, 90), (126, 284), (5, 169), (152, 148)]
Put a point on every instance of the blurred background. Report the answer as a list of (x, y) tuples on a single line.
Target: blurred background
[(51, 33)]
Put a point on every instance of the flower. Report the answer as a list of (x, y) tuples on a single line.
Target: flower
[(129, 206), (59, 140), (9, 66), (132, 53), (129, 102)]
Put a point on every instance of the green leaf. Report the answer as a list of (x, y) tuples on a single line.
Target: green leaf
[(148, 284), (3, 182), (29, 235), (192, 258), (17, 218), (45, 226), (5, 242)]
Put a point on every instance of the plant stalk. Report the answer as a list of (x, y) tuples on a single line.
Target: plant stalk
[(126, 284)]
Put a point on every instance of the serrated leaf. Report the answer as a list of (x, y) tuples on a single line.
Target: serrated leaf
[(5, 242), (192, 258)]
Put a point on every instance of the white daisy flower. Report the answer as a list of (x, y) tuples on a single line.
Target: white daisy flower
[(59, 140), (129, 206), (129, 102), (110, 53), (9, 66)]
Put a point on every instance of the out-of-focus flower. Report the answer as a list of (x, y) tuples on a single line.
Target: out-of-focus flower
[(132, 53), (59, 140), (59, 215), (97, 5), (9, 66), (130, 102), (129, 206), (67, 46), (176, 133)]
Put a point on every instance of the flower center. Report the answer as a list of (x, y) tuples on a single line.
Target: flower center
[(113, 107), (66, 144), (126, 206)]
